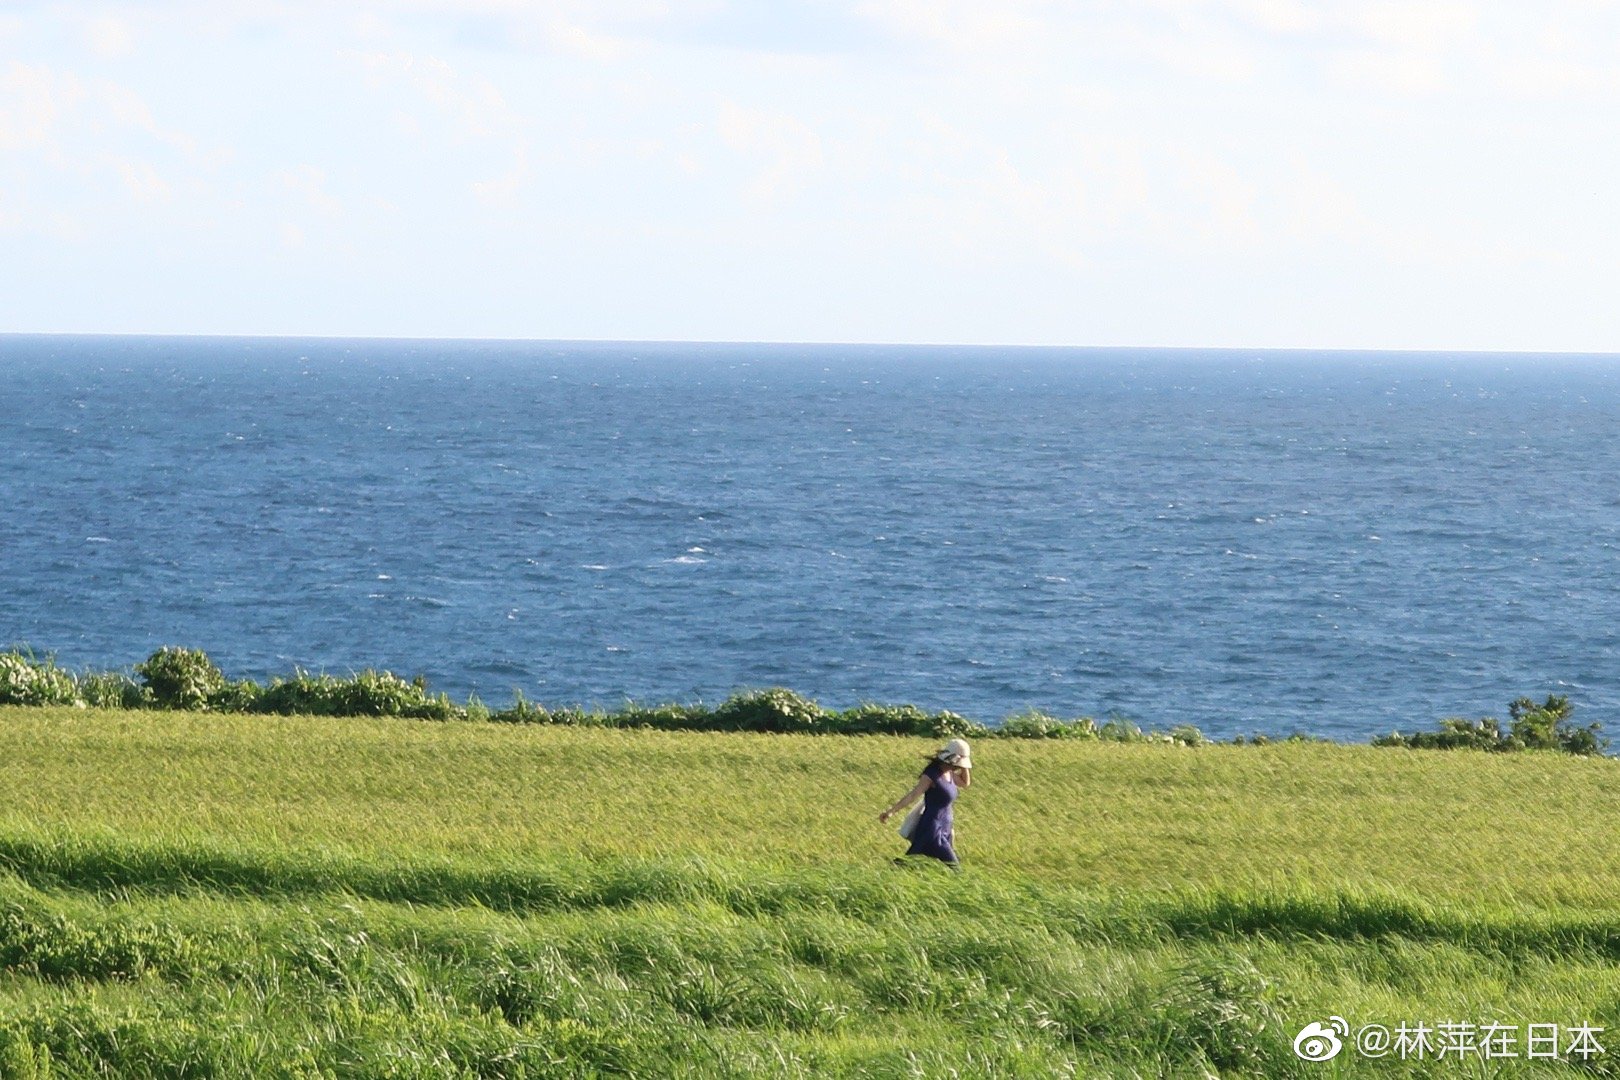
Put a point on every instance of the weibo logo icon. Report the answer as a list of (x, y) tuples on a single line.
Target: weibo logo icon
[(1320, 1041)]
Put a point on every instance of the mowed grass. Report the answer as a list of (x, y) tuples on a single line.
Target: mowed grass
[(187, 894)]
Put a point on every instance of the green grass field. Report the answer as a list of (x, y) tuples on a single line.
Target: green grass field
[(188, 894)]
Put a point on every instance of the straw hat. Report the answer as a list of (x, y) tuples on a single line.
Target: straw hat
[(956, 753)]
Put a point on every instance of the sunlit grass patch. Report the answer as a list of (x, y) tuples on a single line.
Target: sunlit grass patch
[(193, 894)]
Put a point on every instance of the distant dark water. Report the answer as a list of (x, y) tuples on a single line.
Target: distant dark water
[(1332, 543)]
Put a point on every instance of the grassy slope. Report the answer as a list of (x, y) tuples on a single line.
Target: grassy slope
[(349, 897)]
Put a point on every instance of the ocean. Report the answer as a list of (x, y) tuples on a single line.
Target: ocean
[(1253, 542)]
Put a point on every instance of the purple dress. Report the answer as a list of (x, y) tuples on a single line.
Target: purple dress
[(933, 834)]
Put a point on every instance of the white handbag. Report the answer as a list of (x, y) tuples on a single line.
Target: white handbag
[(909, 826)]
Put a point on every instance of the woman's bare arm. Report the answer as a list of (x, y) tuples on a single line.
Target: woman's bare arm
[(907, 799)]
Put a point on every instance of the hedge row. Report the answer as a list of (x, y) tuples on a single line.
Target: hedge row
[(178, 678), (186, 679)]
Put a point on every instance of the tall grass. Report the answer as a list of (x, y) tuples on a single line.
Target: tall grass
[(1527, 828), (192, 894), (906, 980)]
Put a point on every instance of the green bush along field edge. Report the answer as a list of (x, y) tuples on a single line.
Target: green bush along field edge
[(187, 679)]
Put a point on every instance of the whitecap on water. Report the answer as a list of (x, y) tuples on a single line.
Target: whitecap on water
[(98, 539)]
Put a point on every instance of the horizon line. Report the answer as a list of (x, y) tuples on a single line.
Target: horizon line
[(501, 339)]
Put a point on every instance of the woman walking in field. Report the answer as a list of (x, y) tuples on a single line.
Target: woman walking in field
[(947, 772)]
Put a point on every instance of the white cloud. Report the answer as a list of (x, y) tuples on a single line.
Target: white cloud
[(785, 150), (1209, 54), (1027, 147), (504, 188), (79, 149), (1222, 200), (142, 180), (33, 101), (308, 183), (1281, 16), (576, 38), (41, 104), (1433, 25), (603, 31), (474, 104), (961, 26), (1563, 48), (1399, 74), (109, 36), (1315, 208)]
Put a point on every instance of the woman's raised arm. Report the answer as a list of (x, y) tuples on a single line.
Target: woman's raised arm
[(908, 798)]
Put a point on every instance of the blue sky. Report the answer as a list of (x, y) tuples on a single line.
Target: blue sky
[(1254, 173)]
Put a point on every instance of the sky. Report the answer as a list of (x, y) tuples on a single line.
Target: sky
[(1420, 174)]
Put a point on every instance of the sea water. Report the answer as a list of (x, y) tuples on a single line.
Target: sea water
[(1331, 543)]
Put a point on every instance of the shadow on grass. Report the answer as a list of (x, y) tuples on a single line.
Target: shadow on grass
[(871, 894)]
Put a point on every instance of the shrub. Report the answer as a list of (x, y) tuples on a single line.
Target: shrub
[(1038, 725), (521, 711), (369, 693), (575, 716), (871, 719), (1186, 735), (113, 690), (237, 697), (661, 717), (1531, 727), (948, 725), (1121, 731), (180, 678), (25, 680), (1547, 727), (776, 710), (1455, 733), (382, 693), (302, 694)]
